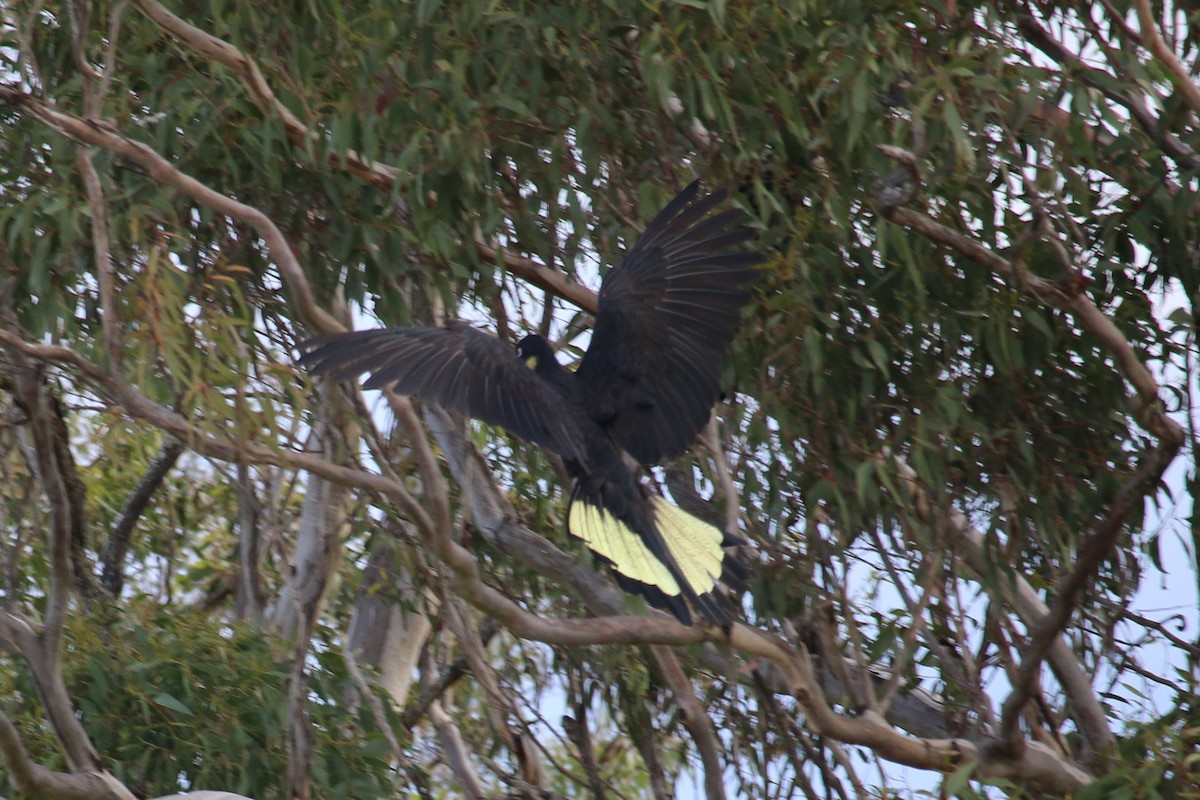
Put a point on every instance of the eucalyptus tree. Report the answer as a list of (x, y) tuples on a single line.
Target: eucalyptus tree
[(953, 428)]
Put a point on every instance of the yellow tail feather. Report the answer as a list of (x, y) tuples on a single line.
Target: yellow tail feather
[(609, 538), (695, 545)]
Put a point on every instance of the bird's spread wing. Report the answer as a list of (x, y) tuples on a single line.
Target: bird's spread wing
[(458, 367), (665, 317)]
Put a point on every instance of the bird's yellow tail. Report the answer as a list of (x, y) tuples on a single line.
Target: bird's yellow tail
[(696, 547)]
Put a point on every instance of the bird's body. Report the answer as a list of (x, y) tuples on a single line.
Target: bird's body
[(645, 387)]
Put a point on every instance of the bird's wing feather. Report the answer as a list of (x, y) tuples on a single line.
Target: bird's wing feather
[(457, 367), (666, 315)]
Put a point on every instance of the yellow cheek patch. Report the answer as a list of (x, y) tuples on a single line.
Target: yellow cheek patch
[(531, 362)]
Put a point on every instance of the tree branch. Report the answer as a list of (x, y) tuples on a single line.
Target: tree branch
[(110, 322), (381, 176), (1152, 40), (457, 755), (695, 719), (1170, 143), (113, 575), (1148, 411), (540, 275), (161, 171), (246, 70), (1094, 550), (34, 780), (969, 542)]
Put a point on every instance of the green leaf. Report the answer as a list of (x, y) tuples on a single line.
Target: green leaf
[(167, 701)]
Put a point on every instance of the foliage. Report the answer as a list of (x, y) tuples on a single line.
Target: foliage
[(176, 699)]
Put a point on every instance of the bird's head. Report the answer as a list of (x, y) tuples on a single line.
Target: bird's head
[(536, 352)]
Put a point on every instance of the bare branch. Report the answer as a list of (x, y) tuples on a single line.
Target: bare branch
[(1136, 104), (375, 706), (576, 728), (539, 275), (1095, 549), (456, 752), (378, 174), (27, 64), (299, 744), (711, 436), (33, 397), (249, 579), (500, 705), (1037, 765), (450, 675), (969, 542), (610, 630), (1150, 414)]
